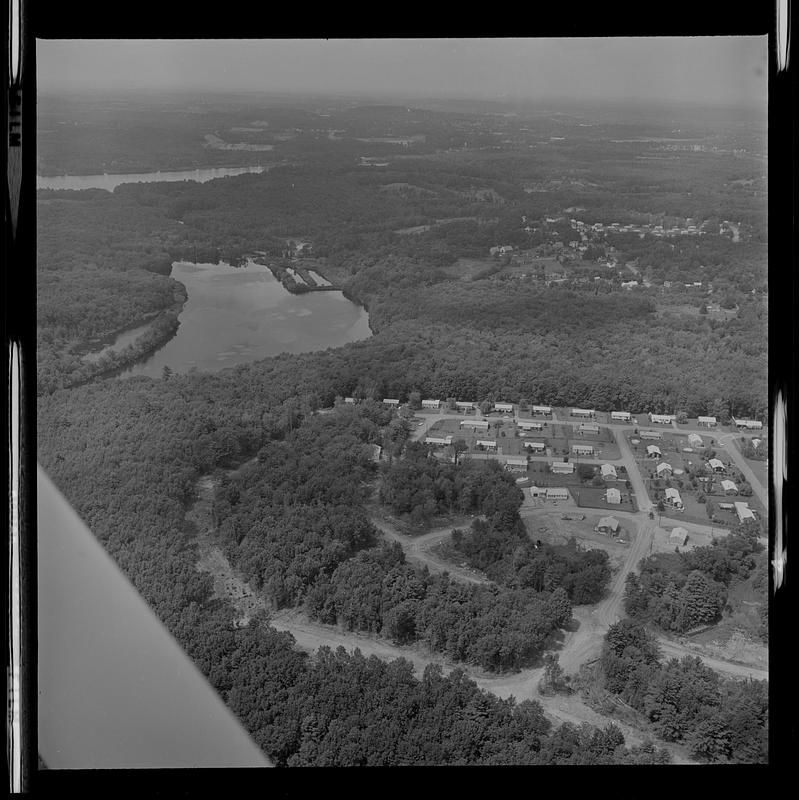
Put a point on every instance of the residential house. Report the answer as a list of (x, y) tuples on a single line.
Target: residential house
[(744, 512), (661, 419), (583, 412), (349, 399), (716, 465), (535, 491), (749, 424), (608, 472), (651, 435), (438, 440), (583, 449), (538, 447), (464, 405), (707, 422), (673, 498), (487, 443), (388, 401), (607, 525), (695, 440), (557, 493), (436, 404), (620, 416), (516, 462), (546, 410), (505, 408), (653, 451), (588, 427), (729, 487), (663, 470), (563, 467), (477, 424), (527, 425), (613, 496)]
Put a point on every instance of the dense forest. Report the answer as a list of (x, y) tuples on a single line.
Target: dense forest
[(148, 443), (720, 720), (128, 453), (683, 590)]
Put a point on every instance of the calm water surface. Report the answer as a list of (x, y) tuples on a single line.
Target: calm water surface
[(110, 182), (235, 315)]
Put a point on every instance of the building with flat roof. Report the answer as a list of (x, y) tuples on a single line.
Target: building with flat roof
[(557, 493), (651, 435), (620, 416), (563, 467), (349, 399), (438, 440), (607, 525), (588, 427), (661, 419), (464, 404), (583, 449), (389, 401), (744, 512), (504, 407), (431, 404), (653, 451), (538, 447), (583, 412), (542, 410), (516, 462), (613, 496), (750, 424), (529, 425), (707, 422), (481, 424), (490, 444)]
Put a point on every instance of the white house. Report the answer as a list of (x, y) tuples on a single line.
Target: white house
[(729, 487), (607, 525), (536, 492), (557, 493), (439, 440), (663, 469), (651, 435), (481, 424), (613, 496), (707, 422), (726, 506), (716, 465), (694, 439), (538, 447), (583, 412), (349, 399), (621, 416), (528, 425), (504, 407), (463, 405), (563, 467), (608, 472), (516, 462), (653, 451), (431, 404), (588, 427), (744, 512), (388, 401), (491, 445), (583, 449), (542, 410), (756, 443), (679, 536), (661, 419), (673, 498)]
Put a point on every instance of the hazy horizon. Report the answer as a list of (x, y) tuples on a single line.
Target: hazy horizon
[(709, 71)]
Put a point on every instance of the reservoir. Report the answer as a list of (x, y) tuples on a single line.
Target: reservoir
[(110, 182), (235, 315)]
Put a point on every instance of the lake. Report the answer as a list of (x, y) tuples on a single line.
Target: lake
[(110, 182), (235, 315)]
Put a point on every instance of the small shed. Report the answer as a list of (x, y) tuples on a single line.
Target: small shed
[(679, 536), (607, 525)]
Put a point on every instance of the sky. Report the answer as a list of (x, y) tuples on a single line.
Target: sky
[(726, 71)]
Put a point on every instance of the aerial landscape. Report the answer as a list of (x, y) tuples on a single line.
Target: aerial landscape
[(433, 426)]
